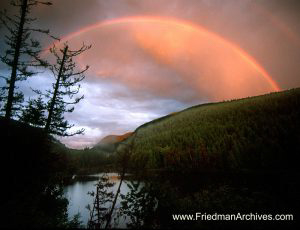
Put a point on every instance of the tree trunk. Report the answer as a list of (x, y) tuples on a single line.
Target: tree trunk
[(13, 76), (51, 109), (115, 201)]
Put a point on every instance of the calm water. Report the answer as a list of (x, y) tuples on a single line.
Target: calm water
[(78, 197)]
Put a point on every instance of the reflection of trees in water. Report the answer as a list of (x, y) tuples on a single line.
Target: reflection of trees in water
[(151, 203), (137, 206), (103, 197)]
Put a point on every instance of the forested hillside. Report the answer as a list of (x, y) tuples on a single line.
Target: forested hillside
[(256, 133)]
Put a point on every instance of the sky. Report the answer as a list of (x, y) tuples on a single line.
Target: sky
[(150, 58)]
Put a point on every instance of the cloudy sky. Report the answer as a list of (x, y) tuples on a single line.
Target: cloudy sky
[(150, 58)]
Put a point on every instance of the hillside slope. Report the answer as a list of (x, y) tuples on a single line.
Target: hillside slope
[(113, 139), (109, 143), (257, 133)]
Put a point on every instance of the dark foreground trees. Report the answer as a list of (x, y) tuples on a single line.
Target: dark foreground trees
[(34, 112), (49, 108), (32, 195), (63, 95), (22, 54), (33, 170)]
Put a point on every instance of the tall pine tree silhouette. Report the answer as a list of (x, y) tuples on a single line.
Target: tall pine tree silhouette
[(22, 55), (62, 97)]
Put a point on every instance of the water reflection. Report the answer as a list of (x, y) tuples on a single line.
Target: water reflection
[(78, 197), (152, 202)]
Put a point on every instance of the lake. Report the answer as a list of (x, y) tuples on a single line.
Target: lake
[(77, 194)]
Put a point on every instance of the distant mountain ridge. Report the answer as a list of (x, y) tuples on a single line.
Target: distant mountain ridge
[(112, 139), (110, 142)]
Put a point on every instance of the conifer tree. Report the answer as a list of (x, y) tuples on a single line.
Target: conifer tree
[(22, 54), (34, 113), (62, 97)]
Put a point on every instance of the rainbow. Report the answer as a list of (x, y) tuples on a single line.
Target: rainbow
[(183, 24)]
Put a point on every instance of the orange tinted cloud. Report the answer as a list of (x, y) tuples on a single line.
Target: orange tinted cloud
[(165, 56), (209, 63)]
